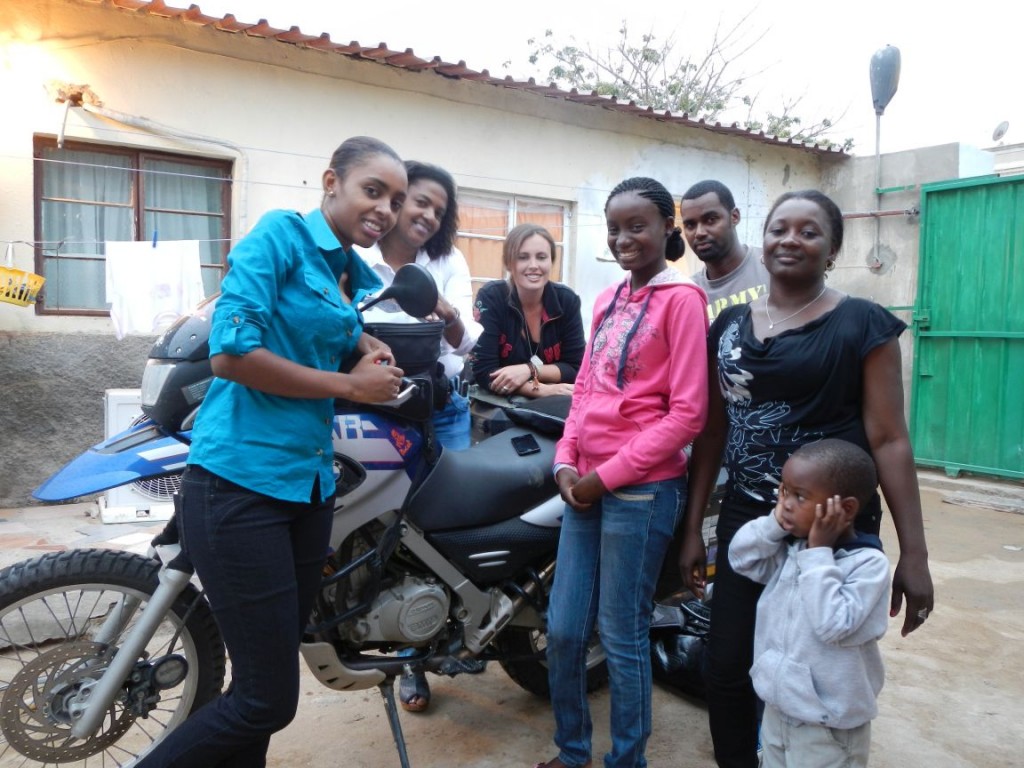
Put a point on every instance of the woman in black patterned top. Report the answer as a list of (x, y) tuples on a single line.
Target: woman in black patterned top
[(802, 363)]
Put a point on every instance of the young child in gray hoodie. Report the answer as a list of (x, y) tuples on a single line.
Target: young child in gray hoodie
[(817, 665)]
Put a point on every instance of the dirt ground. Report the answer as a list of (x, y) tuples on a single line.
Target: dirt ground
[(954, 694)]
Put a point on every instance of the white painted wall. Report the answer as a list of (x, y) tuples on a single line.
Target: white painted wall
[(286, 109)]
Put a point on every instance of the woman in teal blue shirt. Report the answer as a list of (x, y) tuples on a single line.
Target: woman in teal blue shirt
[(258, 494)]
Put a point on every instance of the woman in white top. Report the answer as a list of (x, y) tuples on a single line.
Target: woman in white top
[(425, 234)]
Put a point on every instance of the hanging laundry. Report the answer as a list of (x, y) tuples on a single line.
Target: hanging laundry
[(149, 287)]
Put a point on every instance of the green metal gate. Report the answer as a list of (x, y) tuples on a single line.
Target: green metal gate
[(968, 393)]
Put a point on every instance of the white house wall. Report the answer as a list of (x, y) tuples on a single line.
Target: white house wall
[(288, 108), (278, 111)]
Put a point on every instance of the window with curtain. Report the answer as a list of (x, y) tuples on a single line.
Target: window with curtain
[(88, 194), (485, 219)]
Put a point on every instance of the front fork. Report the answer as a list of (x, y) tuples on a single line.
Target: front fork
[(94, 702)]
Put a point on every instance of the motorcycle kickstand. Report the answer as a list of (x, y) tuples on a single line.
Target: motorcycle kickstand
[(387, 691)]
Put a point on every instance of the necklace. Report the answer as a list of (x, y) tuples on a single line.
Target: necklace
[(527, 333), (773, 323)]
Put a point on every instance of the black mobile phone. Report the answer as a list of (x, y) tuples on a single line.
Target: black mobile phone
[(525, 445)]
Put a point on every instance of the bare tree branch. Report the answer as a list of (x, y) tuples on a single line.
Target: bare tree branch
[(701, 84)]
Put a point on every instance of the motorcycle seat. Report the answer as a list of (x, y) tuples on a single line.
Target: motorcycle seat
[(486, 484)]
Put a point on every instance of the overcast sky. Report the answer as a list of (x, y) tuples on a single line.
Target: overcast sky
[(960, 74)]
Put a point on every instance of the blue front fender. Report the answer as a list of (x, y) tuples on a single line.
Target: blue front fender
[(141, 452)]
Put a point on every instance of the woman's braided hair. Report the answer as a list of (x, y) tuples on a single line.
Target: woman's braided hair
[(653, 190)]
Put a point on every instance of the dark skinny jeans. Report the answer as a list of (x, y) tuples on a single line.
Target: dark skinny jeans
[(732, 702), (260, 561)]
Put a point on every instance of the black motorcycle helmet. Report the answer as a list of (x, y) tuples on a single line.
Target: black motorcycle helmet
[(178, 373)]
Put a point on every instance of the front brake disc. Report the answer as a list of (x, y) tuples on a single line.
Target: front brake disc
[(34, 712)]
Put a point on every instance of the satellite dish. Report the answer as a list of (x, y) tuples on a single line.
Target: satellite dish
[(1000, 130)]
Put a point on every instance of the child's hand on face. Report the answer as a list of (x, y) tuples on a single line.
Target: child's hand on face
[(828, 524)]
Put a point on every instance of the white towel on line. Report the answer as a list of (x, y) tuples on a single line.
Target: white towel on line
[(149, 287)]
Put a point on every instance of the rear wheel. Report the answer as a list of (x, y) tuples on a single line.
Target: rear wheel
[(531, 674), (62, 617)]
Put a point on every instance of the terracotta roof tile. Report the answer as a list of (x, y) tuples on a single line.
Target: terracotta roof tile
[(407, 59)]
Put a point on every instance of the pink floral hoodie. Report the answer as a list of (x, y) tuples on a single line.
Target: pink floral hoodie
[(641, 392)]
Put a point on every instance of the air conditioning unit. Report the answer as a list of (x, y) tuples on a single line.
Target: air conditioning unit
[(145, 499)]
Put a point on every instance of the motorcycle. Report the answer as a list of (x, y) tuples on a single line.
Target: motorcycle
[(450, 554)]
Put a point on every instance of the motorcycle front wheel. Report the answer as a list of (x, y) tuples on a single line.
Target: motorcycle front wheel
[(62, 617)]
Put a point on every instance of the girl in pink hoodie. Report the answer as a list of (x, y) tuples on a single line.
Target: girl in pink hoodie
[(640, 398)]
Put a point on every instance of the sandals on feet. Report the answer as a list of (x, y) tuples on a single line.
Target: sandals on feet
[(557, 763), (414, 691)]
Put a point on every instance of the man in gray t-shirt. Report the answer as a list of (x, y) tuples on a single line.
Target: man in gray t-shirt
[(732, 272)]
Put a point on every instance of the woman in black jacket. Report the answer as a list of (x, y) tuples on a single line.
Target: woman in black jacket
[(532, 340)]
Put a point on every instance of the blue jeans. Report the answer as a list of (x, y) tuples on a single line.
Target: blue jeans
[(452, 424), (609, 557), (260, 561)]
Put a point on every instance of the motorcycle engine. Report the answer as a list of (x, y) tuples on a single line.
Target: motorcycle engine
[(412, 611)]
